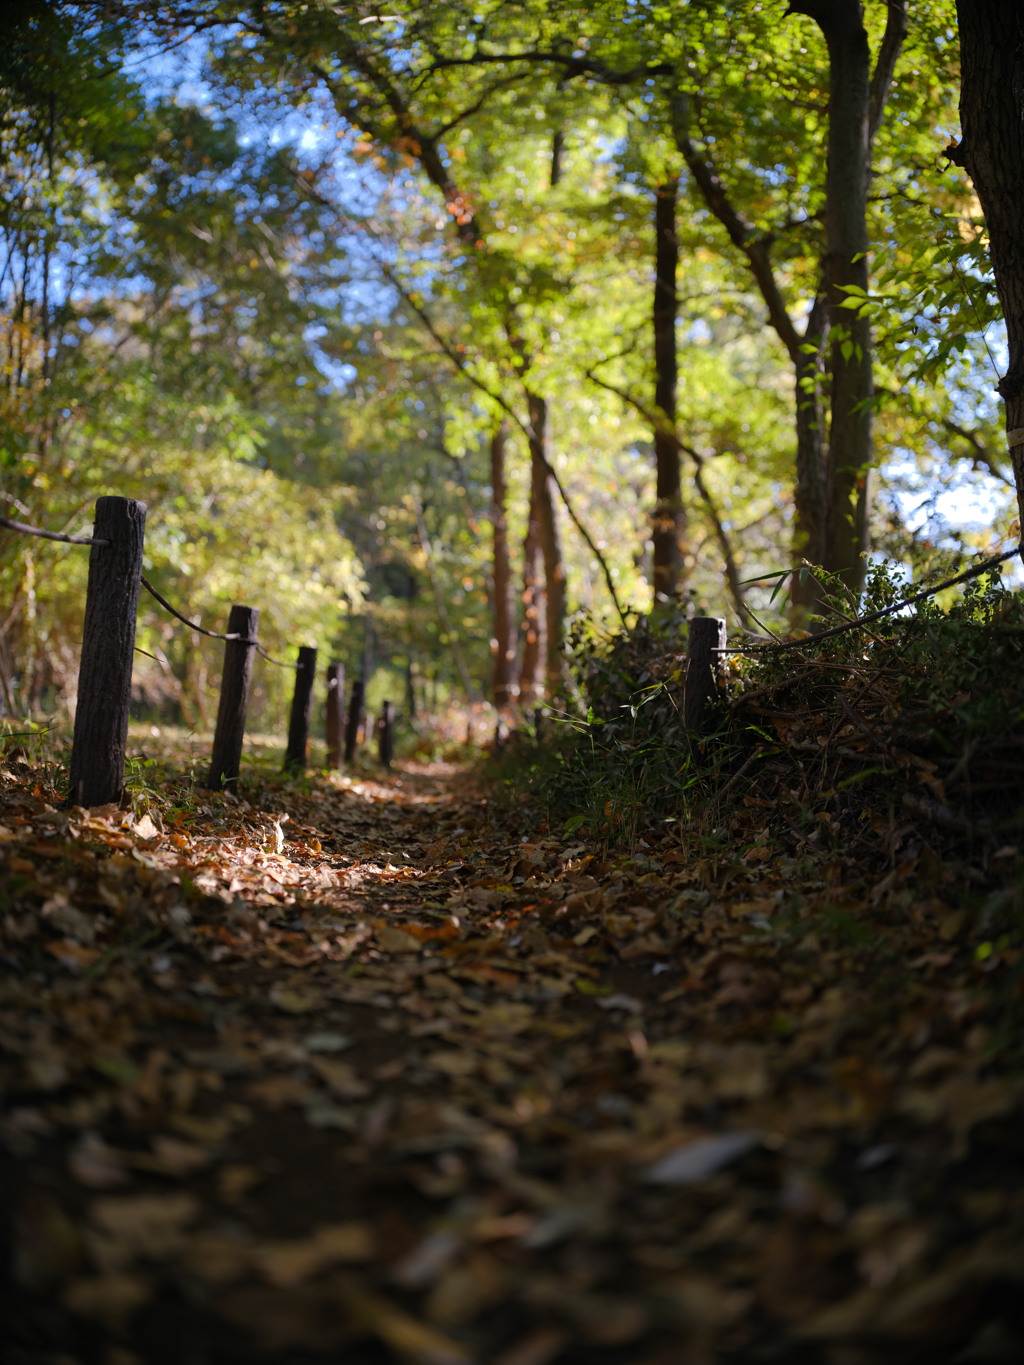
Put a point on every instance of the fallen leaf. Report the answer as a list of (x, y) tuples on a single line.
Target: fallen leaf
[(396, 940), (698, 1161)]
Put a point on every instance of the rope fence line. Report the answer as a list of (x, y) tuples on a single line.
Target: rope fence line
[(27, 530), (810, 640), (115, 579), (278, 663), (213, 634)]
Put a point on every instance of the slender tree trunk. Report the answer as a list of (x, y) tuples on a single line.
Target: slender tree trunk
[(846, 264), (810, 492), (832, 492), (668, 522), (531, 686), (503, 644), (550, 545), (856, 102), (992, 153)]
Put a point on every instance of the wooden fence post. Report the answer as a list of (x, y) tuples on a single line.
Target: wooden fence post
[(298, 722), (335, 713), (108, 642), (226, 760), (386, 734), (355, 711), (703, 669)]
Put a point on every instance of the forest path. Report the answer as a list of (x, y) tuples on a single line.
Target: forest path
[(351, 1072)]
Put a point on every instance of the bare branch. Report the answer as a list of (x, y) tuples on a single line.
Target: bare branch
[(658, 422), (503, 405), (741, 233), (572, 66), (885, 63)]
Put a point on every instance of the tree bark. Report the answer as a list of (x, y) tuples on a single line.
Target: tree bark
[(832, 488), (531, 686), (992, 153), (668, 521), (856, 101), (550, 544), (846, 264), (503, 644)]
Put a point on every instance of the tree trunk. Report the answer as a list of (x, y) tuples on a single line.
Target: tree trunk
[(531, 687), (550, 545), (668, 522), (856, 101), (810, 492), (846, 264), (992, 153), (503, 644), (832, 492)]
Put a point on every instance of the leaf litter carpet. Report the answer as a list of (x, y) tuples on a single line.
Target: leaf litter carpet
[(360, 1070)]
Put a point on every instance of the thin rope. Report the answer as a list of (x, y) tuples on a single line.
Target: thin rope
[(873, 616), (50, 535), (278, 663), (213, 634)]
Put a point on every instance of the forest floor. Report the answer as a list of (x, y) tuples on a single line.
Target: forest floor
[(373, 1069)]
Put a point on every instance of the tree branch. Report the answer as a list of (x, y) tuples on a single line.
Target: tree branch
[(657, 422), (573, 66), (504, 406), (885, 63), (741, 233)]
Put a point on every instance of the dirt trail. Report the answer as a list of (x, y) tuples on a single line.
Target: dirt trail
[(353, 1074)]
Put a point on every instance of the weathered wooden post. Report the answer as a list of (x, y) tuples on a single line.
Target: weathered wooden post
[(298, 722), (707, 638), (386, 734), (225, 764), (355, 711), (335, 713), (108, 642)]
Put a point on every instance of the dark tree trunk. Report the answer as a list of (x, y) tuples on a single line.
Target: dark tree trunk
[(668, 520), (810, 492), (992, 153), (550, 545), (846, 264), (531, 687), (832, 478), (503, 643), (856, 102)]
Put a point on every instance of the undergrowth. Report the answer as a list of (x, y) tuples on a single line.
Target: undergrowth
[(933, 700), (876, 774)]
